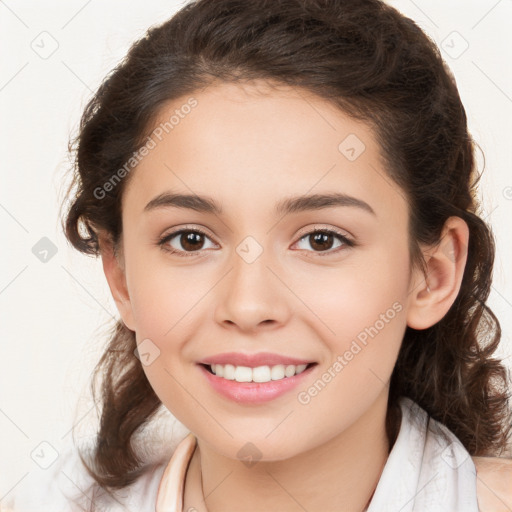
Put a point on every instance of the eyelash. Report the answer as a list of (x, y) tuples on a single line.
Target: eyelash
[(163, 241)]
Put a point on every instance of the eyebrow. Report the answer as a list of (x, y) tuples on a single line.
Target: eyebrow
[(288, 205)]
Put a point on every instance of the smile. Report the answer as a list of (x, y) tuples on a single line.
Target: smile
[(256, 385), (258, 374)]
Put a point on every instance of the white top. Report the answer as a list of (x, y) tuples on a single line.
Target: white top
[(428, 469)]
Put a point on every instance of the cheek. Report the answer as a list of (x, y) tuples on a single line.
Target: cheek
[(359, 310), (165, 298), (358, 292), (168, 307), (362, 330)]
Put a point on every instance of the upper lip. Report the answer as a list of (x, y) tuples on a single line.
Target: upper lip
[(253, 360)]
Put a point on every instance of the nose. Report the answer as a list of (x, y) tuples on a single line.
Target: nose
[(252, 296)]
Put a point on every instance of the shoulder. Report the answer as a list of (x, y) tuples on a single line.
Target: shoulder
[(493, 483)]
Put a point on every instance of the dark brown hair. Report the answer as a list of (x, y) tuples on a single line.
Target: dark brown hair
[(375, 65)]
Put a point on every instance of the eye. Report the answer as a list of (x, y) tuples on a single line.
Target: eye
[(187, 241), (190, 240), (323, 240)]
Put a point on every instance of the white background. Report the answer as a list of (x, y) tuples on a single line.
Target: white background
[(53, 314)]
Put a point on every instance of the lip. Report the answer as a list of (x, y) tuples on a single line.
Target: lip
[(253, 360), (254, 392)]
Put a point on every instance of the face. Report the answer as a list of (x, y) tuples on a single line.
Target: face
[(325, 282)]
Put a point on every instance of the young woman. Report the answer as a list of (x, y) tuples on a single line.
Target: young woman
[(283, 197)]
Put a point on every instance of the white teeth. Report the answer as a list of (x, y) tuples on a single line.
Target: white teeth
[(261, 374), (289, 371), (277, 372), (243, 374), (229, 371), (258, 374)]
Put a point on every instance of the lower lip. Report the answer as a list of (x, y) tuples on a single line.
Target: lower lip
[(254, 392)]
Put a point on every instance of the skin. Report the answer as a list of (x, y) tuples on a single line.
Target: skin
[(248, 148), (494, 475)]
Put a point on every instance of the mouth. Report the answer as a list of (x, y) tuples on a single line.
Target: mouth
[(260, 374), (255, 386)]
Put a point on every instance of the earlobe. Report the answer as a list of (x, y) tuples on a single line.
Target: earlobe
[(116, 278), (431, 296)]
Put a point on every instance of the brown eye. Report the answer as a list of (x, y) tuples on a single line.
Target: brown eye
[(324, 240), (191, 241), (321, 241), (184, 241)]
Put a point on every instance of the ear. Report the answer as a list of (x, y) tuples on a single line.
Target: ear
[(113, 266), (431, 296)]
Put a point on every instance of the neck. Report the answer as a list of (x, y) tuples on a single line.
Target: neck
[(340, 474)]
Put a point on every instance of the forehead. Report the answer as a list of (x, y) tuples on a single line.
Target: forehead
[(253, 144)]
